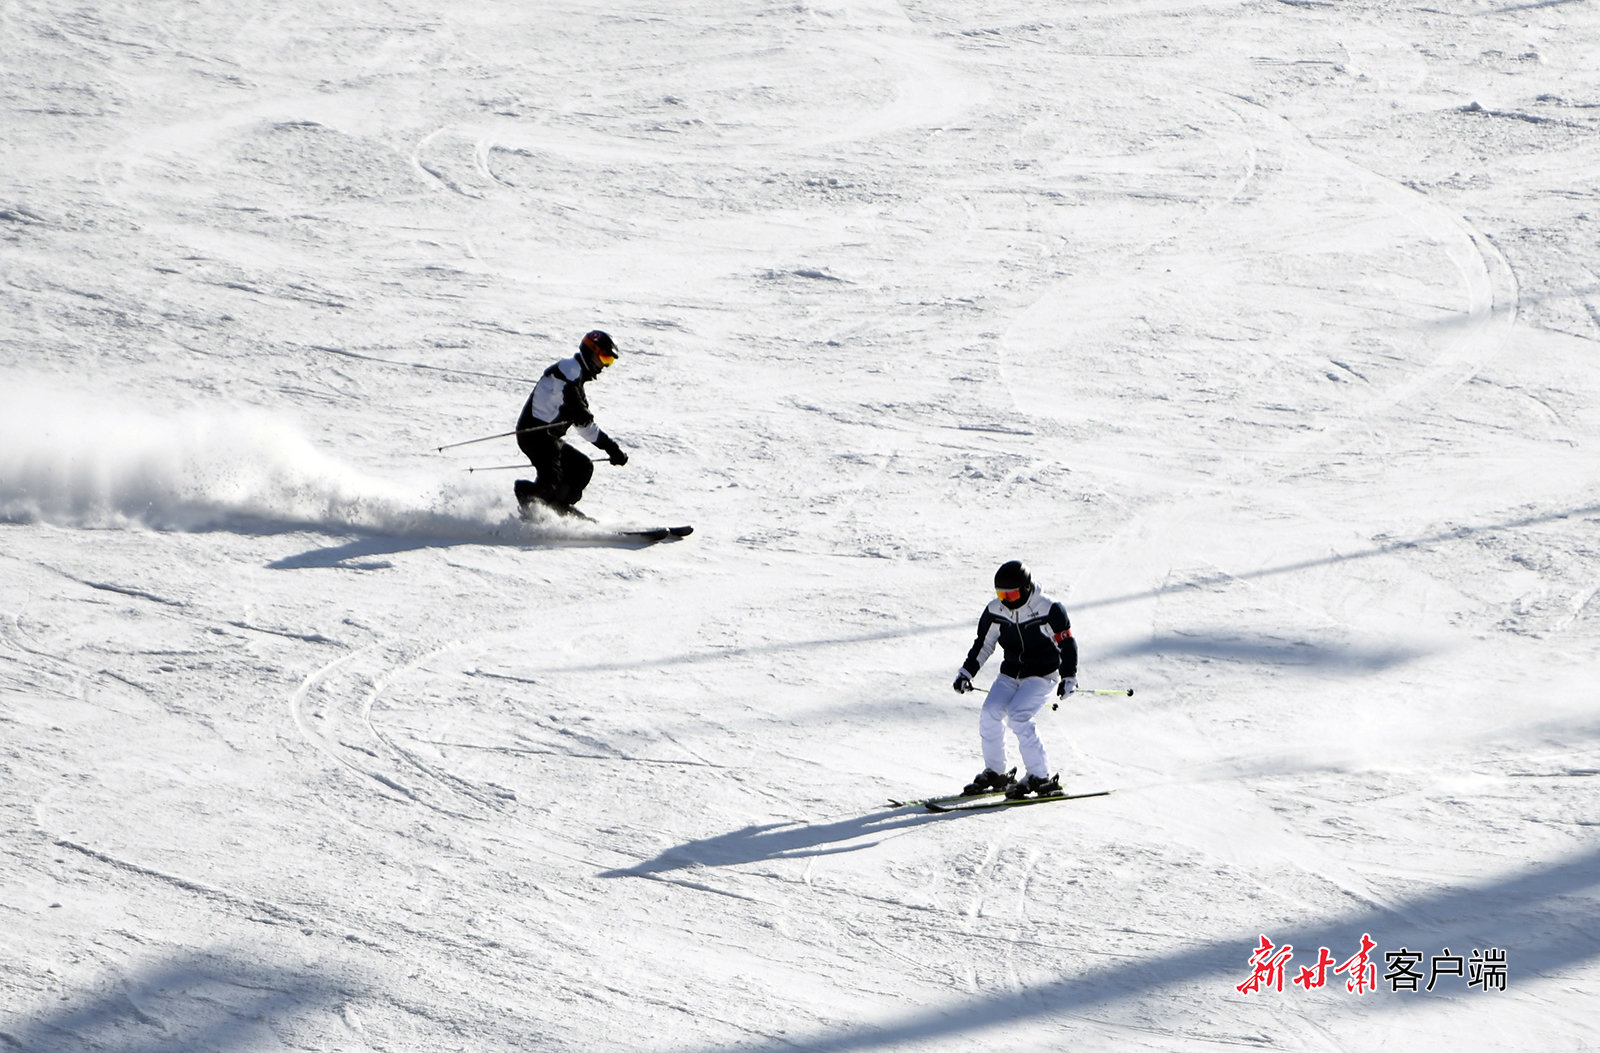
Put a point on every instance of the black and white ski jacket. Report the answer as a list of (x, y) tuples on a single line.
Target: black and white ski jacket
[(559, 399), (1035, 639)]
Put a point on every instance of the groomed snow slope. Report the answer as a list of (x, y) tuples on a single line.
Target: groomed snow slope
[(1265, 332)]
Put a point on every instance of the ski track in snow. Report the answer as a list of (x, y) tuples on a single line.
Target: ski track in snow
[(1489, 295), (1263, 333)]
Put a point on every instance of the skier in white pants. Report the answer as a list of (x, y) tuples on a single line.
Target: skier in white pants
[(1039, 654)]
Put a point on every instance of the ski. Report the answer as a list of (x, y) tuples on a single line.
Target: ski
[(930, 802), (1004, 802), (660, 533), (927, 802), (541, 513)]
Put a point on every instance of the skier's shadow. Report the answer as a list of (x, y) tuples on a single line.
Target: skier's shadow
[(360, 553), (793, 840)]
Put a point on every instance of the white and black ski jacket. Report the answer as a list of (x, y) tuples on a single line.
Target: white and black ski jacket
[(1035, 639), (558, 398)]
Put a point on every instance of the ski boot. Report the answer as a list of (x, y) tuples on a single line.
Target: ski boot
[(567, 511), (988, 782), (1039, 785), (527, 494), (533, 500)]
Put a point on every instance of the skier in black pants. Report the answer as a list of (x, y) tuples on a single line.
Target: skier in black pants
[(557, 403)]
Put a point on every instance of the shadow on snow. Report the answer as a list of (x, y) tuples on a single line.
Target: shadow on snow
[(1546, 919), (204, 1001), (792, 840), (1272, 650), (1286, 651), (1207, 581), (360, 553)]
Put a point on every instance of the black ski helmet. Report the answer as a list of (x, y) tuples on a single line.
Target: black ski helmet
[(598, 350), (1013, 575)]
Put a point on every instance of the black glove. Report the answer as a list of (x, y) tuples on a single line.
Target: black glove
[(612, 450), (1067, 686), (963, 683)]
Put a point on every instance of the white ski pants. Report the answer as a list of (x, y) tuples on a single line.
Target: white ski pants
[(1014, 703)]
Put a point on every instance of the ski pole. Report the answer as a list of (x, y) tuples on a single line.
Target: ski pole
[(508, 467), (1095, 691), (1080, 690), (502, 435)]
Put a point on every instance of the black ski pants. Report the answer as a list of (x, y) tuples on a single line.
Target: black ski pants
[(564, 472)]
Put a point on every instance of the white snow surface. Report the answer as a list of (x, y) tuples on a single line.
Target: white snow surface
[(1264, 332)]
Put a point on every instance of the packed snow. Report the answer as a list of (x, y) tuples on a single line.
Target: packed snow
[(1264, 332)]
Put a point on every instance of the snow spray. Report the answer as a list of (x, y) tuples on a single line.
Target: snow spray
[(72, 460)]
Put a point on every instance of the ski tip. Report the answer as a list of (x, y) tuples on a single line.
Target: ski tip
[(660, 533)]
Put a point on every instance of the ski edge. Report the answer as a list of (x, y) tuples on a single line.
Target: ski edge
[(927, 801)]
